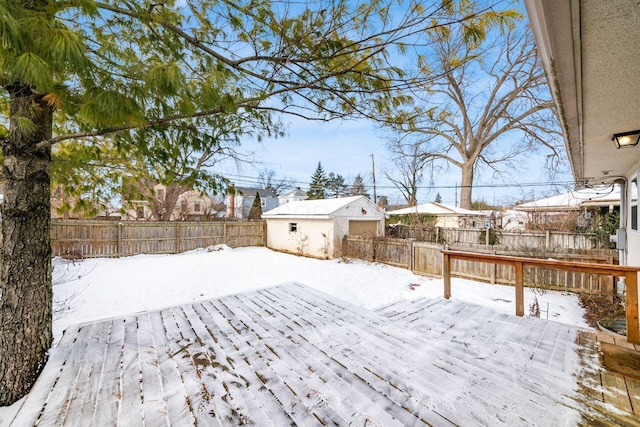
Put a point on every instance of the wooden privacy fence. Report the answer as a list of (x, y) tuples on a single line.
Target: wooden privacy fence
[(426, 259), (553, 240), (518, 264), (87, 239)]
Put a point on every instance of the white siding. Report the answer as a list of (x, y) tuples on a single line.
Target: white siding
[(312, 238)]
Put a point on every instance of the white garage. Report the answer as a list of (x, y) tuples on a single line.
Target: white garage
[(315, 228)]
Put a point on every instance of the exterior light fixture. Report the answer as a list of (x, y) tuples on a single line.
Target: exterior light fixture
[(626, 139)]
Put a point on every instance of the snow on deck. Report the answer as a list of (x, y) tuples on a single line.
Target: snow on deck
[(291, 355)]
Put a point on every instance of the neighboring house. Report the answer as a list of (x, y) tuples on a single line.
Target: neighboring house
[(296, 195), (590, 50), (316, 227), (513, 220), (66, 207), (192, 205), (140, 209), (446, 216), (239, 206), (579, 208)]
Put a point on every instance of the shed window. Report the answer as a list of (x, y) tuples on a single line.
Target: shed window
[(196, 207), (293, 227), (634, 203)]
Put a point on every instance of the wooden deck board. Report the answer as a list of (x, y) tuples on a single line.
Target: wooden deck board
[(291, 355)]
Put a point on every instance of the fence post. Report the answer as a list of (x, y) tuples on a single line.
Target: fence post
[(494, 268), (119, 242), (547, 239), (264, 233), (633, 328), (446, 275), (177, 237), (519, 289), (224, 232)]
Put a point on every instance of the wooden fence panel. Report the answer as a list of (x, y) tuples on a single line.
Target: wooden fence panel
[(553, 240), (426, 258), (358, 247), (396, 252), (89, 239)]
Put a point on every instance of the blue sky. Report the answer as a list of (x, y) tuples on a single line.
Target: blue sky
[(345, 148)]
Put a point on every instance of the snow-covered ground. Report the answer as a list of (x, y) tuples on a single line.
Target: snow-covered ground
[(96, 289)]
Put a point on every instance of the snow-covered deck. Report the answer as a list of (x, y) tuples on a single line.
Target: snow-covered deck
[(291, 355)]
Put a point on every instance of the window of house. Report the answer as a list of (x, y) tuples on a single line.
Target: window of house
[(293, 227), (183, 205), (196, 206), (140, 212), (160, 194), (634, 203), (263, 202)]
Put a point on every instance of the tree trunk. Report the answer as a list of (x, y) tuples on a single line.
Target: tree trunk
[(26, 294), (163, 209), (467, 186)]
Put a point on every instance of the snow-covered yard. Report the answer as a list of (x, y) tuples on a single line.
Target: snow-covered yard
[(96, 289), (103, 288)]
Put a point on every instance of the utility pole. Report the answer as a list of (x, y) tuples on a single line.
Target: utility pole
[(373, 174), (456, 193)]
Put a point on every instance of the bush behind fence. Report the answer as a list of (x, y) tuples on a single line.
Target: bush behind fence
[(89, 239), (426, 259)]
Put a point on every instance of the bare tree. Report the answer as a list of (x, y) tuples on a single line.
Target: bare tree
[(491, 105), (409, 161), (268, 181)]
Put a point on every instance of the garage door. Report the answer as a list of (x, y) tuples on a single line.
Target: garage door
[(363, 228)]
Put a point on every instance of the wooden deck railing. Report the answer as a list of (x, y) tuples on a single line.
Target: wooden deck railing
[(629, 273)]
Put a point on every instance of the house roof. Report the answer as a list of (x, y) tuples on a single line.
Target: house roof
[(437, 209), (295, 193), (606, 195), (322, 208), (251, 192), (590, 51)]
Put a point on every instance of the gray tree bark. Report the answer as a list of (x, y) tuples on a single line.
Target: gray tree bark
[(26, 293)]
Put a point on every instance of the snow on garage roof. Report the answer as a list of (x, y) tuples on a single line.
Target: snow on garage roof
[(322, 208)]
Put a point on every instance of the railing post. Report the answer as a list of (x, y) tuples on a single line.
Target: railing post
[(446, 275), (633, 328), (519, 288)]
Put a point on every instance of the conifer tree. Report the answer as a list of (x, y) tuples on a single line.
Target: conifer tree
[(87, 71), (317, 188), (357, 187), (336, 186), (256, 208), (438, 198)]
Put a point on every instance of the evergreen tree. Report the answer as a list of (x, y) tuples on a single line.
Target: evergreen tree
[(357, 188), (256, 208), (438, 198), (86, 71), (317, 188), (336, 186)]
